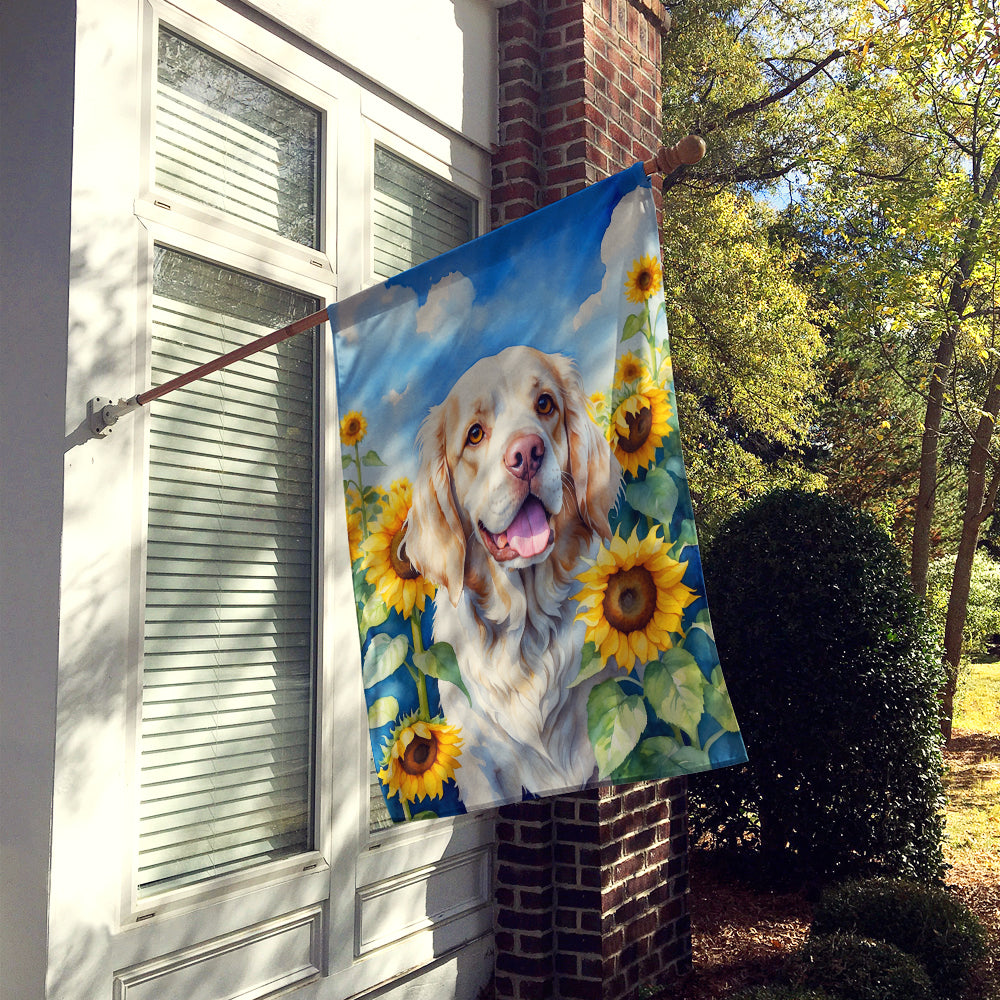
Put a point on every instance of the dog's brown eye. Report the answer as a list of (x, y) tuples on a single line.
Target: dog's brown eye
[(475, 434), (545, 405)]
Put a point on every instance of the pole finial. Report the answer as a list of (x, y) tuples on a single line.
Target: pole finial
[(668, 158)]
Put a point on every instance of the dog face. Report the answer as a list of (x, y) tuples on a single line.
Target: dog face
[(511, 464)]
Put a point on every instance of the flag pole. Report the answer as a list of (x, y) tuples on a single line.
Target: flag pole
[(103, 413)]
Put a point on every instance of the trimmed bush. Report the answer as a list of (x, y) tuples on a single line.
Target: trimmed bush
[(834, 673), (857, 968), (924, 921), (782, 993)]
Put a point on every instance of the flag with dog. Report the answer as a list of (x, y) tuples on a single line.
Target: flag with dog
[(529, 593)]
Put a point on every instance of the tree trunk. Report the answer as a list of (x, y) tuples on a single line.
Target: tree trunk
[(958, 300), (920, 553), (979, 500)]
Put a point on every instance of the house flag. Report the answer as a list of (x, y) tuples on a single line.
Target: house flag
[(530, 602)]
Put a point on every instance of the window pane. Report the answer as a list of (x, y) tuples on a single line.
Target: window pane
[(228, 658), (416, 215), (228, 140)]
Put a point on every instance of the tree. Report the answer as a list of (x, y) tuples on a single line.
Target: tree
[(913, 184), (748, 358)]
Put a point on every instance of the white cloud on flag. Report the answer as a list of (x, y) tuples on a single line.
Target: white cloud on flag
[(394, 396), (448, 306), (619, 240)]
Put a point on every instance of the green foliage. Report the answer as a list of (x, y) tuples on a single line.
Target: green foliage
[(782, 992), (747, 353), (857, 968), (833, 674), (983, 610), (926, 922)]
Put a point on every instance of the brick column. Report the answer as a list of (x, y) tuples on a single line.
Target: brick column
[(591, 889), (579, 96)]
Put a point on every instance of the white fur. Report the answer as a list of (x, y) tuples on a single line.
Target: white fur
[(510, 617)]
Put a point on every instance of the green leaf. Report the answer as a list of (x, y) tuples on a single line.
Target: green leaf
[(371, 459), (675, 687), (655, 496), (663, 756), (718, 705), (615, 722), (633, 325), (649, 760), (382, 711), (688, 535), (374, 613), (440, 662), (690, 760), (590, 663), (704, 622), (424, 814), (384, 657)]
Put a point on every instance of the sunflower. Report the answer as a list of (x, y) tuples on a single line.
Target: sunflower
[(420, 757), (632, 599), (639, 425), (644, 280), (630, 368), (395, 579), (355, 534), (352, 429)]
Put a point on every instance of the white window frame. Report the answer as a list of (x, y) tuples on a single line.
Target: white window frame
[(180, 224), (352, 874)]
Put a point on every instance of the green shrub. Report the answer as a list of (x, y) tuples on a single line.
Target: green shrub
[(857, 968), (782, 993), (834, 674), (926, 922)]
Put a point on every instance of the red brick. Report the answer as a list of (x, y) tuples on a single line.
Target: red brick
[(530, 899), (518, 49), (581, 989), (576, 941), (538, 966)]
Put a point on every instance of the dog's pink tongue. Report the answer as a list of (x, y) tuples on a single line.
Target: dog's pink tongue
[(528, 534)]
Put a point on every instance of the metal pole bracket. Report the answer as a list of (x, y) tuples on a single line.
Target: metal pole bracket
[(103, 413)]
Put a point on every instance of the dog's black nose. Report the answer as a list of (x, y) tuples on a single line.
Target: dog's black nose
[(524, 455)]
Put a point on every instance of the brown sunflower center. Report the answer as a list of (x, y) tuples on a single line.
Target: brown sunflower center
[(400, 564), (639, 426), (630, 599), (645, 280), (420, 755), (352, 427)]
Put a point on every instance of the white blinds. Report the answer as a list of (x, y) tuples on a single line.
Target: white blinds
[(416, 215), (225, 139), (227, 681)]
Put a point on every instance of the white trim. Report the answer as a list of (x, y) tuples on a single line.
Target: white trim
[(96, 923)]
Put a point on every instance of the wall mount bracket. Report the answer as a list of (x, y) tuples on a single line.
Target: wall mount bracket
[(103, 413)]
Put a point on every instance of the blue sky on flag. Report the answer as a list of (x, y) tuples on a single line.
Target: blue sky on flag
[(444, 315)]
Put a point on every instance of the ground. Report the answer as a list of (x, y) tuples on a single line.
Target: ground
[(741, 935)]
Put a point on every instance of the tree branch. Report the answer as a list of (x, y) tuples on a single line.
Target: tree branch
[(754, 106)]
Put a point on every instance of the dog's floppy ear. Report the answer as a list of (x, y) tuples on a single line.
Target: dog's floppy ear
[(435, 536), (596, 472)]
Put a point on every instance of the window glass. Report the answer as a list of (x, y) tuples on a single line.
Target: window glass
[(228, 684), (416, 216), (228, 140)]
